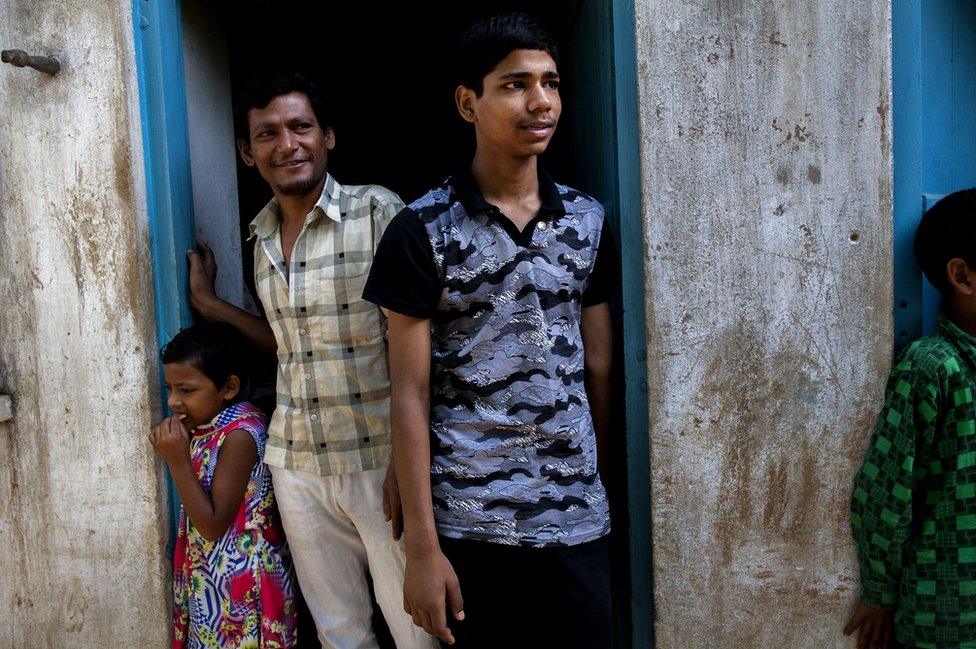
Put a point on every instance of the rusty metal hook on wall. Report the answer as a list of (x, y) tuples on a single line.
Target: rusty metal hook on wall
[(20, 59)]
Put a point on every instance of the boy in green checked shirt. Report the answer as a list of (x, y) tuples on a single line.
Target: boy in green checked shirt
[(913, 510)]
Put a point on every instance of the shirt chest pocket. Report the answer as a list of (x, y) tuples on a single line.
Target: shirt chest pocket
[(339, 314), (334, 280)]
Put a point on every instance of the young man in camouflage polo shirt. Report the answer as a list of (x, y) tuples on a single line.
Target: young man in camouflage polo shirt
[(496, 285), (329, 438), (913, 510)]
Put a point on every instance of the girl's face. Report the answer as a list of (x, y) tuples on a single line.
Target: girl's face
[(195, 398)]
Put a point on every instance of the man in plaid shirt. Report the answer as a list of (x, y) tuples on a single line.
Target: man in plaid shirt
[(913, 509), (329, 445)]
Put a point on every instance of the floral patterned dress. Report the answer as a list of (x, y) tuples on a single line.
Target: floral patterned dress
[(235, 592)]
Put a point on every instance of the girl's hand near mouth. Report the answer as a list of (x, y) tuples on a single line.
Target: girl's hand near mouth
[(171, 440)]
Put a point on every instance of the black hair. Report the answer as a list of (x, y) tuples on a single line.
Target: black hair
[(487, 43), (947, 230), (216, 349), (259, 91)]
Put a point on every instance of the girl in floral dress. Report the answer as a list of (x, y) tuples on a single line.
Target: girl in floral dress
[(232, 578)]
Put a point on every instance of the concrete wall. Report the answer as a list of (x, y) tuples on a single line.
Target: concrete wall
[(766, 166), (81, 513)]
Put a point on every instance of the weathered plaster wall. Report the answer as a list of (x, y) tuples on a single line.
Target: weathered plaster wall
[(81, 525), (766, 167)]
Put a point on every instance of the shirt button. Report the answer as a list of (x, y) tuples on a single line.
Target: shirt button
[(308, 376), (314, 417), (541, 225), (303, 331)]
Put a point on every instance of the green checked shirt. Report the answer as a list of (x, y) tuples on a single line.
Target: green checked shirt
[(913, 510)]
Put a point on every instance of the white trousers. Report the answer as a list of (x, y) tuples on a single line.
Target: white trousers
[(336, 532)]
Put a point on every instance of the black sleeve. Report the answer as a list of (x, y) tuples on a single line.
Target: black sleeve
[(404, 276), (605, 270)]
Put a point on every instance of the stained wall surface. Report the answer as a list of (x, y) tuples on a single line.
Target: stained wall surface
[(82, 517), (766, 175)]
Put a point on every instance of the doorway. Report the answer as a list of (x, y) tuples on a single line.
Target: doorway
[(386, 76), (934, 136)]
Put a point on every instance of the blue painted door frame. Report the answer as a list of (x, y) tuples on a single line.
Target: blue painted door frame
[(162, 93), (600, 96), (933, 95), (630, 227), (166, 154)]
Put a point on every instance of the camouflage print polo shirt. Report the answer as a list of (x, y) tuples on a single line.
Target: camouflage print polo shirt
[(513, 451), (913, 509)]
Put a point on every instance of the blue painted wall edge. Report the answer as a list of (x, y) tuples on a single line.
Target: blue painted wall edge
[(166, 155), (635, 336)]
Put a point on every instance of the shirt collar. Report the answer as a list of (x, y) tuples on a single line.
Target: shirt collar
[(266, 222), (474, 201), (329, 200), (965, 342)]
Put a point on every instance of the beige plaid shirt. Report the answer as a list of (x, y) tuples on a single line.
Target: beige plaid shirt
[(333, 406)]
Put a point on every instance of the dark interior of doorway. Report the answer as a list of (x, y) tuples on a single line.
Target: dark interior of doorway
[(385, 70)]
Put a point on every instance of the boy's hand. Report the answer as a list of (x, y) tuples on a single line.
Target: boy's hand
[(875, 624), (203, 275), (171, 440), (392, 509), (430, 587)]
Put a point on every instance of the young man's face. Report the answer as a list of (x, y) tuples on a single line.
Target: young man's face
[(287, 145), (517, 112)]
